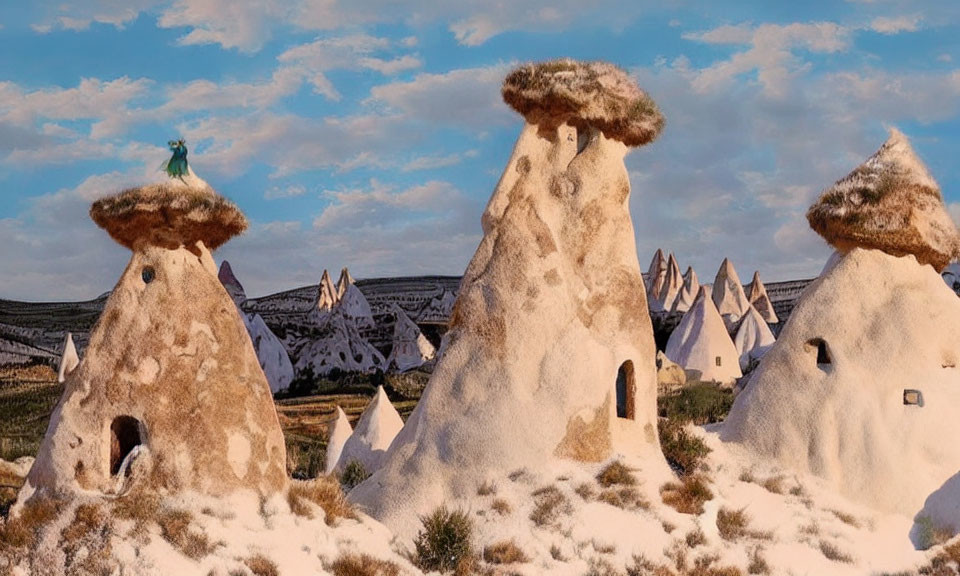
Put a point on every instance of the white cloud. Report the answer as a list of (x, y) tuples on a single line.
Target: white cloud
[(242, 24), (78, 16), (895, 25), (434, 162), (277, 193)]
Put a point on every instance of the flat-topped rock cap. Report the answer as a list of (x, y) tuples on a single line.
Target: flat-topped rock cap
[(169, 214), (582, 94), (889, 203)]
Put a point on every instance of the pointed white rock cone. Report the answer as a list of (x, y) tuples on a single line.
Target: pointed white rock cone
[(378, 426), (69, 360), (753, 338), (701, 344), (340, 432)]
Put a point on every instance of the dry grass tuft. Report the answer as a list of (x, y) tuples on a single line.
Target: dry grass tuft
[(833, 553), (686, 453), (643, 567), (326, 493), (351, 564), (585, 491), (260, 565), (140, 507), (687, 496), (549, 504), (556, 553), (23, 532), (696, 538), (175, 526), (445, 543), (625, 498), (505, 552), (848, 519), (774, 484), (616, 474), (732, 524), (501, 507), (487, 489), (758, 564)]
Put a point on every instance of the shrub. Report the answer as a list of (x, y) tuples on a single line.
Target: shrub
[(260, 565), (687, 496), (732, 524), (501, 506), (487, 489), (696, 538), (616, 474), (354, 473), (684, 452), (505, 552), (929, 534), (444, 544), (624, 497), (643, 567), (831, 551), (549, 504), (351, 564), (758, 564), (325, 493), (774, 484), (699, 404), (585, 491)]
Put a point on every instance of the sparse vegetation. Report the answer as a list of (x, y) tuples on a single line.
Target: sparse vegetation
[(832, 552), (445, 543), (176, 526), (696, 538), (585, 491), (688, 495), (732, 524), (487, 489), (624, 497), (684, 452), (354, 473), (846, 518), (616, 474), (260, 565), (505, 552), (501, 507), (774, 484), (352, 564), (557, 554), (929, 534), (325, 493), (698, 404), (758, 564), (549, 504)]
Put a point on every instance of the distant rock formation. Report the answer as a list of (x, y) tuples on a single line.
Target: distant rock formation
[(334, 342), (670, 377), (326, 294), (411, 349), (688, 293), (550, 353), (355, 307), (672, 284), (862, 386), (69, 359), (378, 426), (338, 434), (702, 345), (753, 338), (728, 295), (345, 280), (759, 300), (233, 286)]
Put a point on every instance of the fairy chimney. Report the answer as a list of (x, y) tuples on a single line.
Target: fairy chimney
[(558, 259), (170, 396)]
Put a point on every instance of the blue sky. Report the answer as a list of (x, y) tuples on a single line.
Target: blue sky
[(370, 133)]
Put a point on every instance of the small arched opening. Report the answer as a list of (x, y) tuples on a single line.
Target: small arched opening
[(824, 359), (626, 391), (124, 437)]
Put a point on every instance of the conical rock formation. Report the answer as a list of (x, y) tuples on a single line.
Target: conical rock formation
[(672, 284), (687, 294), (355, 307), (335, 342), (271, 353), (550, 310), (345, 280), (701, 344), (378, 426), (231, 284), (326, 293), (69, 360), (890, 203), (339, 432), (759, 300), (728, 295), (411, 349), (829, 398), (753, 338)]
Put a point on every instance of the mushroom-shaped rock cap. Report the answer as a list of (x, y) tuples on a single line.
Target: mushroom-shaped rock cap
[(170, 214), (584, 94), (889, 203)]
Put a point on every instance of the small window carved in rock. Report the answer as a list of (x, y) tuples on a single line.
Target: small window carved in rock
[(626, 391), (124, 437), (719, 361), (823, 353), (913, 398), (148, 274)]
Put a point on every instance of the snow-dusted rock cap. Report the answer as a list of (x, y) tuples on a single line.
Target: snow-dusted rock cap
[(890, 203), (231, 284), (761, 301), (69, 359), (687, 294), (701, 344), (753, 337), (378, 426), (170, 214), (345, 280), (581, 94), (339, 432), (728, 295)]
